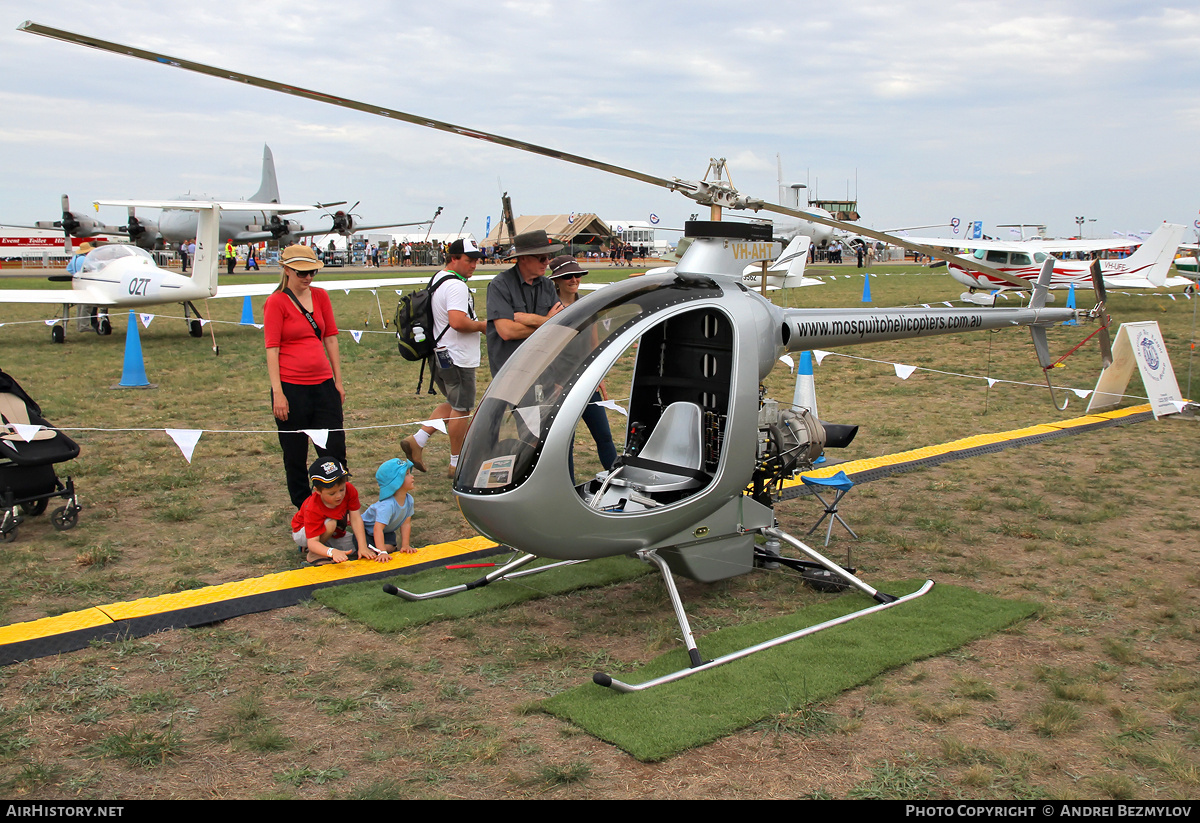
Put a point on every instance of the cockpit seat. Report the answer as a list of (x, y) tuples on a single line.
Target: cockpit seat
[(673, 457)]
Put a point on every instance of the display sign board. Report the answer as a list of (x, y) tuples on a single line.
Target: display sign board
[(1139, 344)]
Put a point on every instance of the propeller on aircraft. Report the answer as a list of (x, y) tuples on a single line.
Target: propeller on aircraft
[(142, 232), (76, 225), (280, 228), (343, 220)]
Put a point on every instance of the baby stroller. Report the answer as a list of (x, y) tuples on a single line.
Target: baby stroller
[(27, 478)]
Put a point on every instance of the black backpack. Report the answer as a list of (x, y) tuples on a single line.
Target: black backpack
[(414, 322)]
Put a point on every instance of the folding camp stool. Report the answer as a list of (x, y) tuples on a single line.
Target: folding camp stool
[(839, 484)]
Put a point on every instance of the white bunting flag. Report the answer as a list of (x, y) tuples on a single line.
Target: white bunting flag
[(1179, 404), (1082, 394), (991, 382), (1171, 296), (820, 355), (438, 424), (373, 291), (318, 436), (27, 431), (146, 318), (612, 404), (924, 305), (903, 371), (947, 304), (789, 362), (356, 334), (50, 322), (204, 321), (347, 291), (186, 440), (531, 416)]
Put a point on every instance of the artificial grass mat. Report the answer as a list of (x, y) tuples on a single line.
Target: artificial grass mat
[(368, 604), (665, 720)]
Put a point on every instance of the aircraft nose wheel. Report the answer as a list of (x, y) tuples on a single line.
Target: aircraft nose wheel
[(195, 328), (57, 334), (104, 327)]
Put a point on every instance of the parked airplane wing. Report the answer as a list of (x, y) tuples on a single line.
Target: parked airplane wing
[(82, 297), (261, 289), (1048, 246)]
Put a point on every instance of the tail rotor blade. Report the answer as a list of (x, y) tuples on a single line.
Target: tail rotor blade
[(1102, 314)]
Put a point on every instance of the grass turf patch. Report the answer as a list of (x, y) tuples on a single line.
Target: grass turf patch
[(663, 721), (368, 604)]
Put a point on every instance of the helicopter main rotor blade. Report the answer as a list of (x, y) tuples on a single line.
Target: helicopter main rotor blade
[(322, 97), (894, 240), (701, 192)]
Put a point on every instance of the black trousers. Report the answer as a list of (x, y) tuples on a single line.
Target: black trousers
[(309, 407)]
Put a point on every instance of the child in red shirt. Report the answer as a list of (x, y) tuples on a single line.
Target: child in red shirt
[(320, 524)]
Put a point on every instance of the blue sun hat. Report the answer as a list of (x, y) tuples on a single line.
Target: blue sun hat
[(391, 476)]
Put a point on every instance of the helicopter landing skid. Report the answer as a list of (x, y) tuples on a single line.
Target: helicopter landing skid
[(698, 664), (506, 572)]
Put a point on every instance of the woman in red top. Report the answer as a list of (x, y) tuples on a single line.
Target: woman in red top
[(304, 367)]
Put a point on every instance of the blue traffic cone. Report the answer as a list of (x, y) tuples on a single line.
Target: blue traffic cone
[(805, 393), (133, 375), (247, 312), (1071, 305), (866, 288)]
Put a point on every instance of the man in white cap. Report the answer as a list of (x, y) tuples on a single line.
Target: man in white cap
[(520, 299), (456, 332)]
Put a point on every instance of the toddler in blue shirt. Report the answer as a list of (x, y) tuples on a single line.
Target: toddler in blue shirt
[(394, 510)]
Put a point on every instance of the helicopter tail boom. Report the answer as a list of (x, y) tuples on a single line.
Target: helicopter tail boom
[(808, 329)]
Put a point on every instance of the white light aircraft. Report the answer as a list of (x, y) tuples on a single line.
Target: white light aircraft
[(1188, 266), (785, 272), (1021, 260), (124, 276), (261, 218)]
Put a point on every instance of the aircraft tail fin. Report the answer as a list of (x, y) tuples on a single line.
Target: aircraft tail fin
[(268, 191), (1157, 253), (793, 261), (208, 247), (1041, 289)]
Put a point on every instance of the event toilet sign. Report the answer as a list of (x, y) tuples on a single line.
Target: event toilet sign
[(1139, 343)]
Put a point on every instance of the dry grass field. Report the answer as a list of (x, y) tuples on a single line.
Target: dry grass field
[(1096, 697)]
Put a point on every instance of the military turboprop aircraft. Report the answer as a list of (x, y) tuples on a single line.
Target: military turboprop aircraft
[(261, 218), (703, 451), (1146, 268)]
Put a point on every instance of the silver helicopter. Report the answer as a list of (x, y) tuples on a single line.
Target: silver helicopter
[(705, 452)]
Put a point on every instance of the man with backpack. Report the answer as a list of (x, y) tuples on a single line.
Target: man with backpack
[(455, 333)]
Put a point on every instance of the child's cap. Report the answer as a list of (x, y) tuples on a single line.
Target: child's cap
[(326, 471), (391, 476)]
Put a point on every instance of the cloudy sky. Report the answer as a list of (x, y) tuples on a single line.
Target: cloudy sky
[(1003, 112)]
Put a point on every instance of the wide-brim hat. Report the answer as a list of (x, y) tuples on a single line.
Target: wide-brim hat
[(84, 248), (300, 258), (533, 242), (563, 265), (391, 476)]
